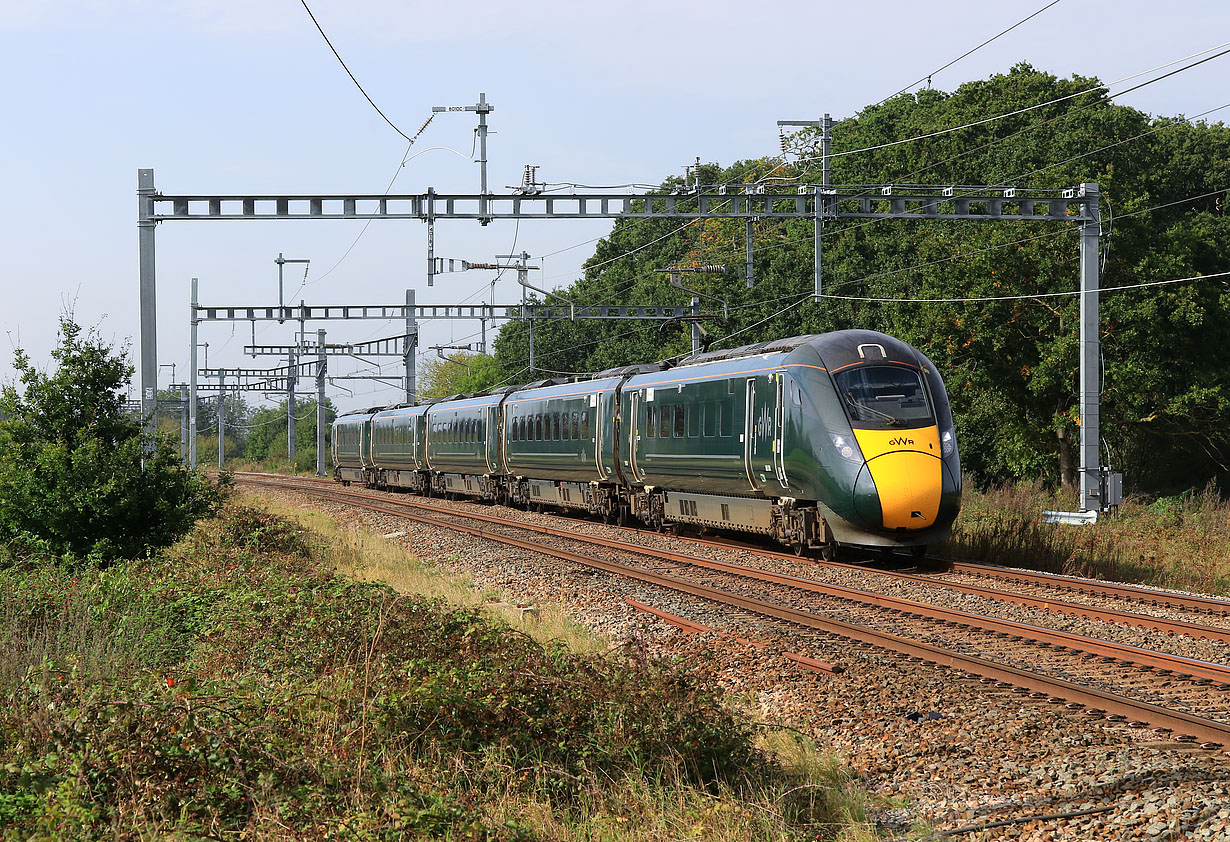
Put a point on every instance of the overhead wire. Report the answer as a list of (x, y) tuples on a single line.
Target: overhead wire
[(338, 56), (970, 52)]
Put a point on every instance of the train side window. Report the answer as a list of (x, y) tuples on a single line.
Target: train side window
[(726, 421), (566, 429), (694, 421), (796, 393), (585, 423), (680, 420), (576, 426), (664, 429), (651, 421), (710, 420), (512, 430), (555, 426)]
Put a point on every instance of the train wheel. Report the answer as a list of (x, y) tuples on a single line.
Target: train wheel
[(828, 552), (797, 548)]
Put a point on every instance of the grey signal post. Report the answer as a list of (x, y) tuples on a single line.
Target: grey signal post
[(816, 202), (1092, 478)]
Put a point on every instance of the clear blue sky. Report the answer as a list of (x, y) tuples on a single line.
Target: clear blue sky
[(245, 97)]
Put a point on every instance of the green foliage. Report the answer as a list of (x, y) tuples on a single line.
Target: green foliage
[(461, 373), (236, 686), (265, 432), (78, 476), (1011, 366)]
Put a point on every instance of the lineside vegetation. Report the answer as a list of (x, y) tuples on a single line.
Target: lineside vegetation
[(236, 685)]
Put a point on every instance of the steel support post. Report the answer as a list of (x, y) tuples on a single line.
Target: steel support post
[(522, 276), (290, 408), (431, 237), (826, 134), (192, 420), (695, 326), (183, 424), (322, 361), (1090, 344), (819, 226), (484, 209), (221, 419), (412, 342), (148, 303), (748, 232)]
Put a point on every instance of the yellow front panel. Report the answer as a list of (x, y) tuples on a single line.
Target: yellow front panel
[(908, 474)]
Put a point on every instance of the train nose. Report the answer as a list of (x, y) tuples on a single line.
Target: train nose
[(900, 490)]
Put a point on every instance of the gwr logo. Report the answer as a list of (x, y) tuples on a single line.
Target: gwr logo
[(900, 442)]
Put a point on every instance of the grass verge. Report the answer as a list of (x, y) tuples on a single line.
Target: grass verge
[(1178, 542), (238, 686)]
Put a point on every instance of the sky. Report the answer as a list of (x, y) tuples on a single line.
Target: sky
[(246, 97)]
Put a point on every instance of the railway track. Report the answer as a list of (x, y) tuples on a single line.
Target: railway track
[(1180, 696)]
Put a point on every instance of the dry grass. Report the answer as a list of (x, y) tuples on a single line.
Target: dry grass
[(818, 793), (1177, 542), (367, 555)]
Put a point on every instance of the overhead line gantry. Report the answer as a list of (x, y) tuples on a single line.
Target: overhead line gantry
[(820, 203)]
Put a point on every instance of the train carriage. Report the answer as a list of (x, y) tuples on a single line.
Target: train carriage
[(844, 438), (399, 448), (559, 444), (463, 442), (352, 460)]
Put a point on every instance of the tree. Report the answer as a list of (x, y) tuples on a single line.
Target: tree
[(80, 477), (459, 374), (266, 432)]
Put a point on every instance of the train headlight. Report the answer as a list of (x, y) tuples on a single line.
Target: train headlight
[(847, 448), (947, 443)]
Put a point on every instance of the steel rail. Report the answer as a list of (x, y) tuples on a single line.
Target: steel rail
[(1094, 587), (1136, 593), (691, 627), (1185, 725), (1203, 670), (1192, 602)]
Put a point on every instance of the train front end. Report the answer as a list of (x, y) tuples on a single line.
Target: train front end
[(891, 473)]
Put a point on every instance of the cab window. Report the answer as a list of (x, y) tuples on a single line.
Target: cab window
[(884, 396)]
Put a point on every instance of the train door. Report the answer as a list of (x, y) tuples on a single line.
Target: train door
[(760, 424), (596, 403), (779, 428), (634, 425), (491, 430)]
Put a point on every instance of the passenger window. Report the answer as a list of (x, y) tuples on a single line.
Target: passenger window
[(555, 426), (567, 430), (576, 425), (585, 423), (726, 423), (694, 421), (710, 419), (664, 427), (651, 423), (537, 426), (679, 420)]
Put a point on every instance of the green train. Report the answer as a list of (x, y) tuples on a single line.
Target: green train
[(841, 439)]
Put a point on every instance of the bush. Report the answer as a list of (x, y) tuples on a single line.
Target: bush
[(235, 686), (79, 477)]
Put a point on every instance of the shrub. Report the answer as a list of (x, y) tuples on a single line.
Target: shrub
[(79, 477)]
